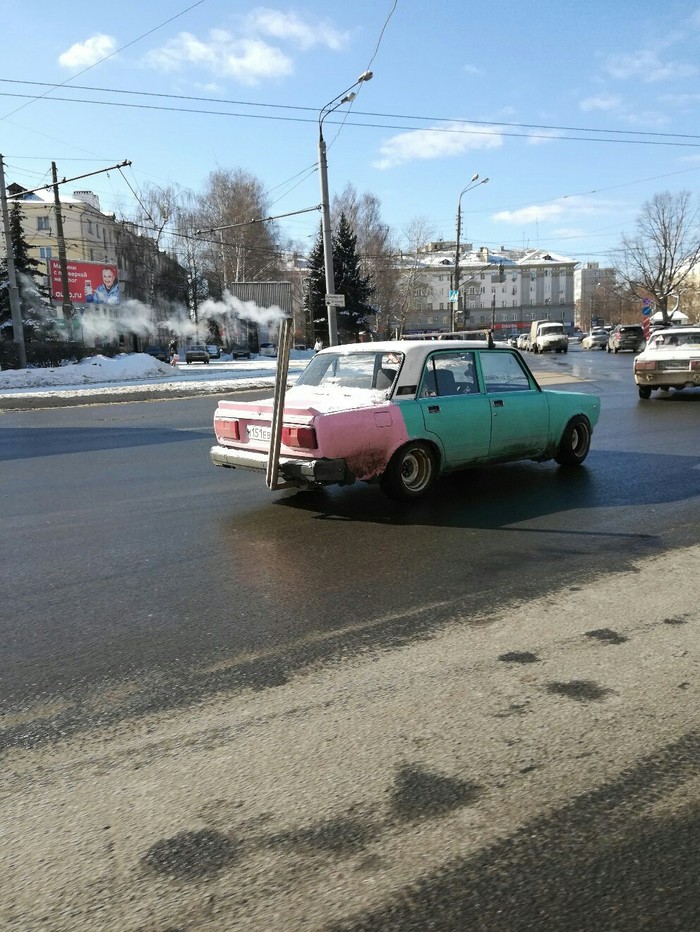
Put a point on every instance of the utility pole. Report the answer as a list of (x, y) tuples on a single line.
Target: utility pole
[(62, 261), (17, 327)]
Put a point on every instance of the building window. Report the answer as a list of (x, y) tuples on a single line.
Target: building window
[(90, 226), (430, 306), (442, 305), (44, 252), (42, 223)]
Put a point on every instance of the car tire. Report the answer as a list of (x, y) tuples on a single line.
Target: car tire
[(644, 392), (575, 442), (410, 473)]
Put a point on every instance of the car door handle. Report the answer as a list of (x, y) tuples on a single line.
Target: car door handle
[(498, 403), (433, 409)]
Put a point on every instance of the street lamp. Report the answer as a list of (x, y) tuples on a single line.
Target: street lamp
[(344, 98), (474, 182)]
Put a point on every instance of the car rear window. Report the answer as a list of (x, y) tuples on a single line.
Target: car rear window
[(371, 370)]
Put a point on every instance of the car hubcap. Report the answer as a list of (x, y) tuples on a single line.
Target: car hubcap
[(416, 470)]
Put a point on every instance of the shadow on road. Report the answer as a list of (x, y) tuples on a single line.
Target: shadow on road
[(603, 862), (30, 442), (505, 496)]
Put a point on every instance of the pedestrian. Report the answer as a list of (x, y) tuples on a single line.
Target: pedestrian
[(173, 352), (318, 345)]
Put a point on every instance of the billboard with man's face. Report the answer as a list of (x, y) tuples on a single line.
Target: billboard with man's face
[(88, 282)]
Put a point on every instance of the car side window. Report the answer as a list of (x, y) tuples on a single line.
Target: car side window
[(449, 374), (502, 373)]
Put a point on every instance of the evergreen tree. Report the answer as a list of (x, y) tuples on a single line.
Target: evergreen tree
[(33, 294), (315, 296), (349, 281)]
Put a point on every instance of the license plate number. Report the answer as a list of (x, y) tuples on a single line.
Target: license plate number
[(258, 433)]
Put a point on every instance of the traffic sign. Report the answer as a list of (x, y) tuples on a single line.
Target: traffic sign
[(646, 310), (454, 295), (335, 300)]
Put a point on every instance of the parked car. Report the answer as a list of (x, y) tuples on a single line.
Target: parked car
[(523, 342), (402, 413), (595, 339), (268, 349), (214, 351), (159, 352), (239, 351), (196, 353), (626, 337), (671, 359)]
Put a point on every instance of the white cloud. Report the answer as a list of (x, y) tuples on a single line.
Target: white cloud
[(646, 66), (542, 136), (563, 208), (290, 27), (89, 52), (246, 60), (440, 142), (601, 102)]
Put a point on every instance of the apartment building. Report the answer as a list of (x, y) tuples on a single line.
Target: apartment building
[(502, 289)]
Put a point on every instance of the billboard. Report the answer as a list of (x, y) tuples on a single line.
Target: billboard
[(88, 282)]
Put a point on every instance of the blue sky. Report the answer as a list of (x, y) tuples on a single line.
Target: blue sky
[(577, 113)]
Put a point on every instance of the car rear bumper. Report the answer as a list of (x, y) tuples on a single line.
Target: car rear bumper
[(293, 470), (674, 378)]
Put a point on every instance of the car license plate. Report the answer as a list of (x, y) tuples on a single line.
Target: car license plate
[(258, 433)]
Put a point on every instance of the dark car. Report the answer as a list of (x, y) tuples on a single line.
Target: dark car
[(214, 351), (159, 352), (238, 351), (196, 353), (626, 337)]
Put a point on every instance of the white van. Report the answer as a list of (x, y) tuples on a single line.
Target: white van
[(548, 336)]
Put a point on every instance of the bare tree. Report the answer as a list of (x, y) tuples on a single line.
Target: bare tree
[(658, 260), (376, 250), (246, 251), (413, 285)]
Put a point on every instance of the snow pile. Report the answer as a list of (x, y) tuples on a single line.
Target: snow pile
[(126, 367)]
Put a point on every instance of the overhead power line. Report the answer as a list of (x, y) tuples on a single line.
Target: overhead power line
[(636, 136)]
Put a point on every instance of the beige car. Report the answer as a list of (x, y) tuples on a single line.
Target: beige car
[(671, 359)]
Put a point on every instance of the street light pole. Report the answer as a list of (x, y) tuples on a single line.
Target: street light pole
[(457, 305), (347, 96)]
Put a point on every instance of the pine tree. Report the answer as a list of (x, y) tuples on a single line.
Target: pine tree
[(349, 281), (33, 295), (315, 296)]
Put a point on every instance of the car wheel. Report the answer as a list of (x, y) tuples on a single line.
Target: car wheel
[(410, 473), (575, 442), (644, 392)]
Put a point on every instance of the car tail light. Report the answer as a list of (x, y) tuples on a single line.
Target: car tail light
[(303, 437), (644, 364), (695, 365), (228, 430)]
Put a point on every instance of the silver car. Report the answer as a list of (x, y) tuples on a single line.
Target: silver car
[(596, 339)]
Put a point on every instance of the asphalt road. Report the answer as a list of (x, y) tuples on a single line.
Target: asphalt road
[(274, 710)]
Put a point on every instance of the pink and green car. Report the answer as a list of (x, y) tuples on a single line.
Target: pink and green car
[(403, 413)]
